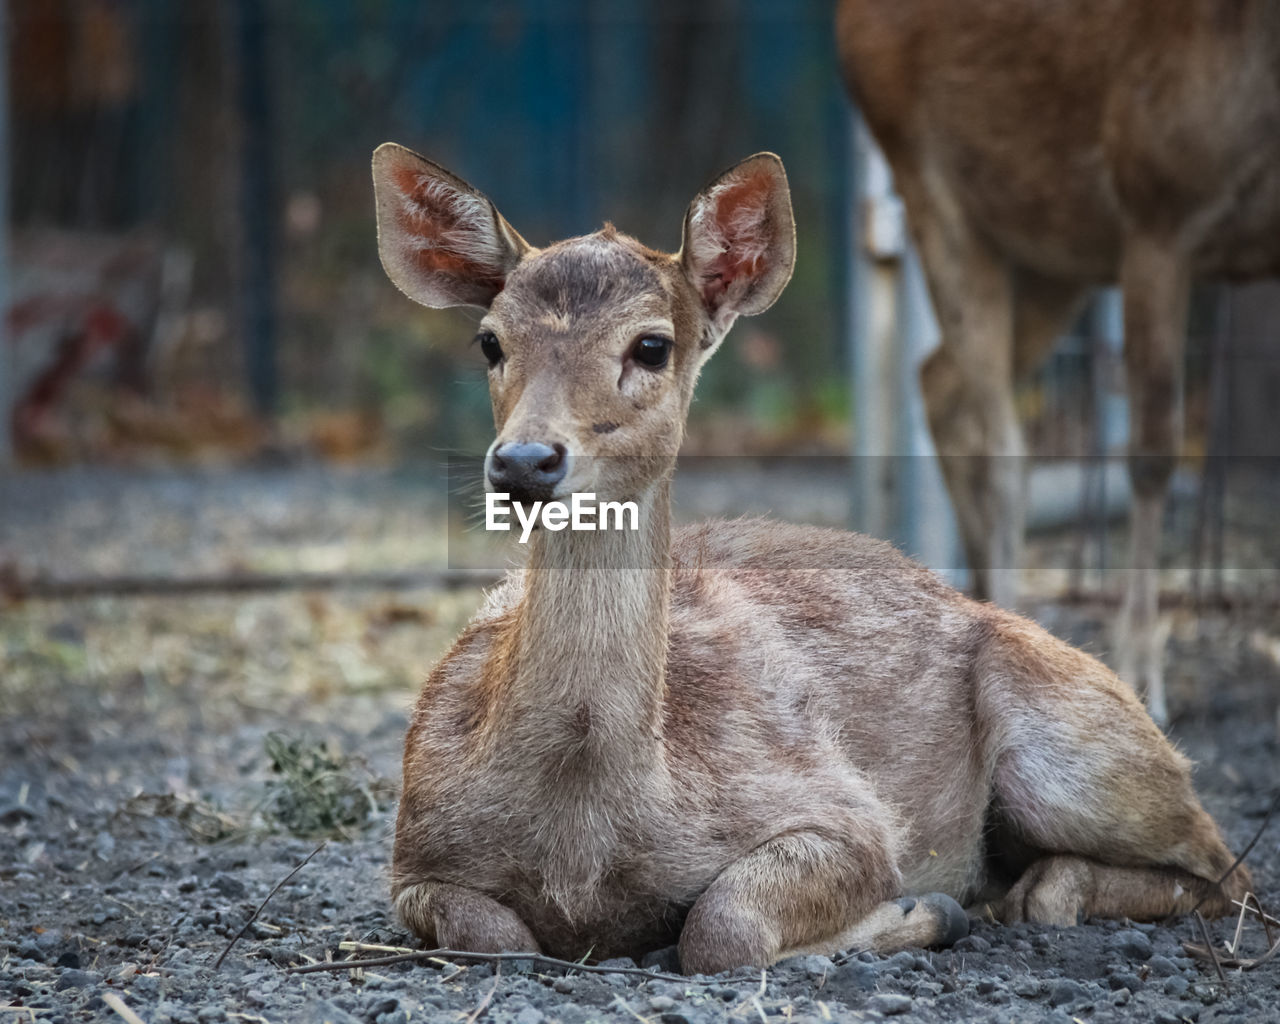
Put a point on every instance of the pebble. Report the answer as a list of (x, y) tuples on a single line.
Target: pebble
[(229, 886), (813, 965), (889, 1003), (666, 960), (1163, 967), (1124, 979), (73, 978), (564, 985), (381, 1005), (1027, 988), (972, 944), (1133, 944), (530, 1015), (1121, 997), (851, 978), (661, 1003), (1067, 991)]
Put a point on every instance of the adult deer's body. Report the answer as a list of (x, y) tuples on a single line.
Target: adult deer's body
[(750, 736), (1041, 148)]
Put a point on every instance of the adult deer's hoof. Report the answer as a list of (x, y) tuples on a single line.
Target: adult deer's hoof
[(951, 922)]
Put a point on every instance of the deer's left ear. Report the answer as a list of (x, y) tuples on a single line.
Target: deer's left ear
[(739, 244)]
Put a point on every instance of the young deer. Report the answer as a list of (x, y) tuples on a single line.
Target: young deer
[(1042, 148), (761, 739)]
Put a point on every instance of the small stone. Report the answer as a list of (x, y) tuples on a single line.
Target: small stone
[(1067, 991), (530, 1015), (1021, 946), (332, 1013), (1205, 993), (666, 960), (1163, 967), (381, 1005), (813, 965), (69, 958), (104, 846), (1133, 944), (926, 990), (1027, 988), (1121, 997), (972, 944), (564, 985), (661, 1003), (889, 1003), (72, 978), (1124, 979), (210, 1014), (675, 1017), (904, 961), (31, 951), (397, 1016), (851, 978), (229, 886), (986, 986)]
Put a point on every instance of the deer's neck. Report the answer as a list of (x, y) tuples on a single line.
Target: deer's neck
[(590, 639)]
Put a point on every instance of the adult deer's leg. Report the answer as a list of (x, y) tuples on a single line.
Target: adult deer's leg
[(455, 917), (968, 388), (1083, 774), (1154, 277), (1063, 890), (810, 891)]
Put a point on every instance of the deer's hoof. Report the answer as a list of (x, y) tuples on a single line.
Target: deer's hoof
[(952, 923)]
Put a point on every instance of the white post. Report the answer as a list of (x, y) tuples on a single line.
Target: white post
[(899, 493)]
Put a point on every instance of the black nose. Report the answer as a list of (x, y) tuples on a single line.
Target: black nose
[(527, 470)]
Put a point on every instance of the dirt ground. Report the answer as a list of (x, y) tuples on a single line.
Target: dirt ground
[(166, 760)]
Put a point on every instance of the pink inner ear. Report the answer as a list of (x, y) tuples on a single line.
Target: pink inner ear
[(446, 224), (739, 222)]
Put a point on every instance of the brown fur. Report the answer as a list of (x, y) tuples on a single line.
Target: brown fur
[(1041, 148), (749, 737)]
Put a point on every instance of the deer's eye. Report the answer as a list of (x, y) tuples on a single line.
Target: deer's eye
[(652, 351), (490, 347)]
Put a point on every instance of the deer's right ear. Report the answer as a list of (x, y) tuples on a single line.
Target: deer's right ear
[(442, 243)]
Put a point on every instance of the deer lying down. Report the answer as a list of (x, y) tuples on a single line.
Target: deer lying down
[(757, 738)]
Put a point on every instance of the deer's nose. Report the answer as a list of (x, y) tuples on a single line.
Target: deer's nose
[(527, 470)]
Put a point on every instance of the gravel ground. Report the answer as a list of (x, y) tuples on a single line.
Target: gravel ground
[(142, 820)]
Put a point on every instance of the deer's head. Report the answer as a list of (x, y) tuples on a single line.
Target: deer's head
[(593, 343)]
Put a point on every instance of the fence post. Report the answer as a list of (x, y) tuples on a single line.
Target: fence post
[(6, 348)]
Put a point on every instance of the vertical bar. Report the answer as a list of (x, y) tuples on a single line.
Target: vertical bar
[(257, 209), (6, 350)]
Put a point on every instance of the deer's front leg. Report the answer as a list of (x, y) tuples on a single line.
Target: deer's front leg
[(454, 917), (806, 891)]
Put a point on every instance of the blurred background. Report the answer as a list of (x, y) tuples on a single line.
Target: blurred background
[(206, 374)]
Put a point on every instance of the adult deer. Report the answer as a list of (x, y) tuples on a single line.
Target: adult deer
[(697, 734), (1041, 148)]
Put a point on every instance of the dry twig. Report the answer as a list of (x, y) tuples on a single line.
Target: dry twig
[(121, 1007), (275, 889), (449, 955)]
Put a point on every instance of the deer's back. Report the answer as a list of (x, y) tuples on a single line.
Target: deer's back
[(1053, 125)]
